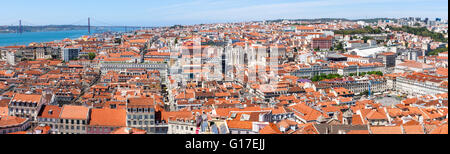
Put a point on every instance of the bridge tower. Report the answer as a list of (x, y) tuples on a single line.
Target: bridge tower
[(89, 25), (20, 27)]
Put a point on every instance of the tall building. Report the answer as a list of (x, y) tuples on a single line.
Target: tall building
[(388, 58), (322, 43), (68, 54)]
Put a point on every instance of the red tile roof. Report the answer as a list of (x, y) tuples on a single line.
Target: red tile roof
[(358, 132), (109, 117), (9, 121), (413, 129), (55, 112), (74, 112), (27, 98), (240, 124), (270, 129), (126, 130), (386, 130)]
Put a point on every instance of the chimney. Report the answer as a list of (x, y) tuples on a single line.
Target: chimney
[(50, 112)]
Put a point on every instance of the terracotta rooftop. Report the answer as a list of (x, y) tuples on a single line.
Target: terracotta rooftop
[(126, 130), (50, 111), (270, 129), (11, 121), (386, 130), (74, 112), (27, 98), (108, 117)]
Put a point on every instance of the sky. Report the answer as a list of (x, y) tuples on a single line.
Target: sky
[(184, 12)]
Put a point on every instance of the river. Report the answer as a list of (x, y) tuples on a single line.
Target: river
[(12, 39)]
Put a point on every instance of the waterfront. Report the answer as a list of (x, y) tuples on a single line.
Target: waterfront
[(12, 39)]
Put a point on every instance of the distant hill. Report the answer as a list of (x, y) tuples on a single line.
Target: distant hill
[(318, 20)]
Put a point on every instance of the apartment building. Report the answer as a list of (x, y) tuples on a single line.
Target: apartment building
[(141, 114), (421, 84), (11, 124), (105, 121), (322, 43), (25, 105), (73, 119), (49, 116)]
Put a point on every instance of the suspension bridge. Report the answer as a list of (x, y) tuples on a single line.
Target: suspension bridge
[(91, 25)]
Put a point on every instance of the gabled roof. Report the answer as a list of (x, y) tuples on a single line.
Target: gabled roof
[(108, 117), (233, 124), (74, 112), (270, 129), (50, 111), (443, 129), (413, 129), (386, 130), (27, 98)]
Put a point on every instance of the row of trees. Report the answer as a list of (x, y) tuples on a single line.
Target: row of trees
[(421, 31), (437, 51), (324, 76), (379, 73), (365, 30)]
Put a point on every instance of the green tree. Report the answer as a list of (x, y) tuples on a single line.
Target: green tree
[(340, 46), (365, 93), (365, 38), (91, 55), (437, 51)]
